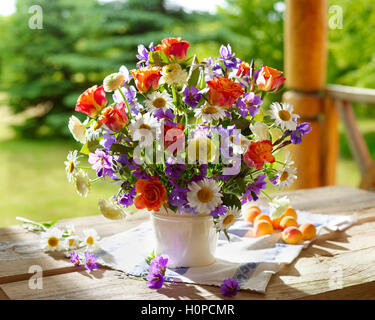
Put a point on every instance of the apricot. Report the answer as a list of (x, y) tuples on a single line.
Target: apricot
[(290, 212), (288, 221), (276, 223), (262, 228), (308, 231), (262, 217), (251, 213), (291, 235)]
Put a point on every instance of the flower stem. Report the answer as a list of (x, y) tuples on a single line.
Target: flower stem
[(126, 102), (174, 95), (265, 193)]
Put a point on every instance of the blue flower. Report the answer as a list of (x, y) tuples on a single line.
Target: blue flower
[(229, 288), (156, 272), (192, 96), (248, 104), (300, 132), (253, 189), (228, 58)]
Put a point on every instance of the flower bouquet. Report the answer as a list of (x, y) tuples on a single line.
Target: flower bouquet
[(189, 140)]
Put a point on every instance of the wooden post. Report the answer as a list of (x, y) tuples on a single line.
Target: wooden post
[(305, 56)]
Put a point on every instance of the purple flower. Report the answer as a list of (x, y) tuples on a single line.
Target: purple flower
[(274, 180), (300, 132), (219, 211), (74, 258), (174, 171), (140, 174), (90, 261), (130, 93), (128, 198), (156, 272), (253, 189), (247, 104), (202, 173), (177, 197), (102, 163), (229, 288), (228, 58), (192, 96), (160, 114)]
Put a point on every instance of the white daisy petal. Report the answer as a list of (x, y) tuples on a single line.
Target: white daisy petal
[(204, 195), (71, 165), (286, 177), (77, 129), (227, 219), (51, 240), (209, 112), (143, 129), (159, 100), (284, 116)]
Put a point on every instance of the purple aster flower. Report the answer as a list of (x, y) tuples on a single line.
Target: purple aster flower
[(122, 159), (219, 211), (274, 180), (160, 114), (228, 58), (102, 163), (187, 209), (128, 198), (229, 288), (248, 104), (142, 53), (192, 96), (202, 173), (300, 132), (253, 189), (74, 258), (156, 272), (212, 69), (140, 174), (107, 141), (90, 261)]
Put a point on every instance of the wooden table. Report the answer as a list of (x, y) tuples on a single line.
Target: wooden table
[(347, 257)]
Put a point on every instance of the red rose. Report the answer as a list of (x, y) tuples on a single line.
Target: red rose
[(258, 154), (152, 194), (172, 134), (243, 69), (92, 101), (173, 47), (269, 79), (224, 92), (147, 77), (114, 118)]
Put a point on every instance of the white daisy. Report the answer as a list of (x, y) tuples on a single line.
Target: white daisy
[(82, 183), (143, 129), (159, 100), (284, 116), (52, 240), (278, 207), (240, 144), (227, 219), (110, 210), (72, 242), (209, 112), (260, 131), (288, 159), (204, 195), (286, 177), (77, 129), (173, 74), (90, 238), (71, 166)]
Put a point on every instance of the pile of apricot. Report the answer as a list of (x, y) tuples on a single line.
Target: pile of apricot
[(287, 223)]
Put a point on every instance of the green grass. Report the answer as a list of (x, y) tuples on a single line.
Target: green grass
[(33, 183)]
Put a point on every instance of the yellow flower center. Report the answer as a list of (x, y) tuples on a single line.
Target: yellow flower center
[(71, 242), (97, 125), (284, 115), (228, 220), (71, 166), (284, 176), (172, 68), (144, 126), (159, 103), (53, 242), (205, 195), (90, 240), (210, 109)]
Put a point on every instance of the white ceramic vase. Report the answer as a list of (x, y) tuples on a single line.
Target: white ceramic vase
[(189, 241)]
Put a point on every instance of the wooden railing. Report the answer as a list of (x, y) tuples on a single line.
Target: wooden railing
[(343, 97)]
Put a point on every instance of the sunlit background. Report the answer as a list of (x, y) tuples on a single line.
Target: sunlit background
[(42, 72)]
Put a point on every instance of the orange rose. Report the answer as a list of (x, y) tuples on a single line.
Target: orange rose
[(224, 92), (173, 47), (92, 101), (269, 79), (258, 154), (152, 194), (114, 118), (243, 69), (147, 77)]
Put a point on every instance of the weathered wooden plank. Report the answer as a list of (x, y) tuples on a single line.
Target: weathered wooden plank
[(352, 94)]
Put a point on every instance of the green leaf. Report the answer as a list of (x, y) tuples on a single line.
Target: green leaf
[(90, 147), (158, 58), (120, 148), (231, 200), (242, 124)]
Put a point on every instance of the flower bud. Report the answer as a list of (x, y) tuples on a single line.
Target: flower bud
[(113, 81)]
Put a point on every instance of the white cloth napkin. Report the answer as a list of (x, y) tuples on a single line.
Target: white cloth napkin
[(250, 261)]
